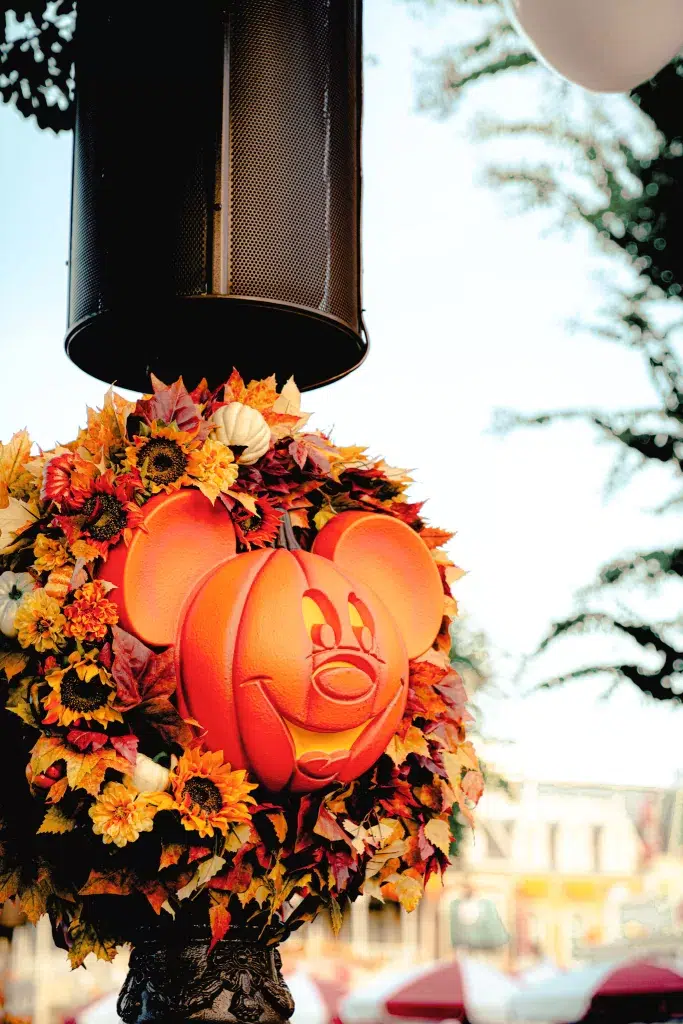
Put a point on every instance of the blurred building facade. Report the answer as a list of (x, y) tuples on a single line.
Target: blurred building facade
[(554, 871)]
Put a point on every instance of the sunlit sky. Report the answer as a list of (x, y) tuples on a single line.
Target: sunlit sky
[(467, 308)]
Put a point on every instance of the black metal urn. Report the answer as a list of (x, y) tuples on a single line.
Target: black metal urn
[(216, 191), (176, 977)]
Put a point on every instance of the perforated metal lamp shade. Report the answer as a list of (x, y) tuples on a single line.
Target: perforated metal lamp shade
[(216, 191)]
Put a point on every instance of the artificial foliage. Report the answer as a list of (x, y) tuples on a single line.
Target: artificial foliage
[(113, 814)]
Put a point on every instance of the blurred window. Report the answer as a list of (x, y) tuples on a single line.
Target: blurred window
[(598, 832), (553, 841), (384, 922)]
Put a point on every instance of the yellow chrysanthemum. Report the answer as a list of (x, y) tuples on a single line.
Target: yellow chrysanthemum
[(213, 468), (207, 794), (82, 690), (120, 814), (49, 554), (162, 458), (39, 622)]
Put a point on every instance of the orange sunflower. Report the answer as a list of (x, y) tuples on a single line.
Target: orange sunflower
[(207, 794), (257, 529), (162, 458), (106, 514), (82, 690)]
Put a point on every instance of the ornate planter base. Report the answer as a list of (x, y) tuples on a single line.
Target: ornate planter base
[(238, 982)]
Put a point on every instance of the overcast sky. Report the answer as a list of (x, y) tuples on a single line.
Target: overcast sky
[(467, 309)]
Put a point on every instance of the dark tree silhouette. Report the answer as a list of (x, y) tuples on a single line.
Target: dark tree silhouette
[(36, 61), (622, 179)]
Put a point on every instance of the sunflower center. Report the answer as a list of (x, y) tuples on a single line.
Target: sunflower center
[(106, 516), (163, 460), (251, 523), (77, 695), (205, 793)]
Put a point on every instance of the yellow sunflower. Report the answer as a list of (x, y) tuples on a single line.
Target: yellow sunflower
[(207, 794), (82, 690), (120, 814), (39, 622), (213, 468), (162, 458)]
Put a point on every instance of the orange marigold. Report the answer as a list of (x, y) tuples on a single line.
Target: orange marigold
[(91, 613)]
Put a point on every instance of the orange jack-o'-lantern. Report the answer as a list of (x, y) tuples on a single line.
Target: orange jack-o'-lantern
[(295, 663)]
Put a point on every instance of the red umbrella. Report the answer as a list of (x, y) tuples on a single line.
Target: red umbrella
[(438, 995), (637, 990)]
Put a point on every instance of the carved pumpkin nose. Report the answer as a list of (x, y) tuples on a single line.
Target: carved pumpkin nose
[(343, 681)]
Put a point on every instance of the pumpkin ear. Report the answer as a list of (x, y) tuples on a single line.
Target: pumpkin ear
[(181, 538), (389, 557)]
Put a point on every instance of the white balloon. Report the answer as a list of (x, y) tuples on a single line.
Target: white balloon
[(603, 45)]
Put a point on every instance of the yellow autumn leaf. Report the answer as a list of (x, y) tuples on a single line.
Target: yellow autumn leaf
[(408, 890), (13, 457), (288, 401), (257, 891), (33, 899), (323, 516), (237, 837), (372, 888), (12, 663), (279, 823), (439, 835), (248, 500), (468, 756), (453, 766), (415, 742), (396, 750), (204, 873), (336, 916), (13, 519), (57, 822), (390, 852)]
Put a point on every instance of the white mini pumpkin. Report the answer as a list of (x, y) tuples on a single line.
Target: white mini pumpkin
[(13, 586), (148, 776), (238, 424)]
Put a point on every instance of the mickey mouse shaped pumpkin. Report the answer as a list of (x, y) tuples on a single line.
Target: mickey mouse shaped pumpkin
[(294, 662)]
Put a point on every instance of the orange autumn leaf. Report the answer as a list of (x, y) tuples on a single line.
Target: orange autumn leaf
[(156, 894), (473, 785), (261, 394), (219, 918), (170, 855), (109, 883), (435, 538)]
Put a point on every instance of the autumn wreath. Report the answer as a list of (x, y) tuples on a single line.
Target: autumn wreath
[(112, 812)]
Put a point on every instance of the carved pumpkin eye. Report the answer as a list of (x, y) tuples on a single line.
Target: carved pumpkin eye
[(321, 619), (362, 623)]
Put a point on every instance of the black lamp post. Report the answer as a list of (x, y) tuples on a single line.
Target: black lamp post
[(216, 191)]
